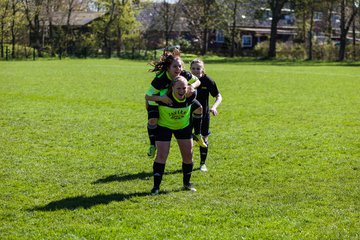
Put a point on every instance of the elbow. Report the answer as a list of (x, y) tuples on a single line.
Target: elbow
[(219, 97), (198, 83)]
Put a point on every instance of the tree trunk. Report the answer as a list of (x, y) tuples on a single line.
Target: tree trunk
[(354, 39), (107, 47), (107, 37), (205, 42), (232, 53), (12, 30), (329, 24), (2, 30), (166, 19), (273, 38), (275, 6), (13, 39), (310, 35), (344, 28), (37, 35), (2, 42), (342, 47), (118, 42)]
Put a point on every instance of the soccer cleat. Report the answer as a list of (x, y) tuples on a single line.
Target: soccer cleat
[(203, 167), (155, 191), (189, 187), (198, 138), (152, 151)]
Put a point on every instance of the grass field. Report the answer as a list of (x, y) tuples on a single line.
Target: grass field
[(284, 156)]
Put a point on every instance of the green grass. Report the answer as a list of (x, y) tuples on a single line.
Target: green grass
[(284, 156)]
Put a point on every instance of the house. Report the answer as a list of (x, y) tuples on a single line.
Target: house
[(254, 26), (250, 30), (55, 23)]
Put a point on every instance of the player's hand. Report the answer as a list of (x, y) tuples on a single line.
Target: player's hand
[(165, 99), (214, 111), (190, 90)]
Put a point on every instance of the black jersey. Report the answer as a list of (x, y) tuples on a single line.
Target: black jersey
[(162, 82), (208, 86)]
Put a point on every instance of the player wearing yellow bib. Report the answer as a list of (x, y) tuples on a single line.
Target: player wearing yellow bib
[(174, 118), (169, 67)]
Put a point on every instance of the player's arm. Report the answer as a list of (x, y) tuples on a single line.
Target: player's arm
[(154, 95), (194, 82), (217, 102)]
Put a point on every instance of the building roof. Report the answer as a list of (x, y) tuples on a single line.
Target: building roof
[(267, 30), (76, 18)]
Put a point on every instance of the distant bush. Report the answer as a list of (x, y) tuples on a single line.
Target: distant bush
[(298, 51), (261, 49), (286, 50)]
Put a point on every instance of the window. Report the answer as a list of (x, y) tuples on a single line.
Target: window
[(219, 36), (318, 16), (246, 41)]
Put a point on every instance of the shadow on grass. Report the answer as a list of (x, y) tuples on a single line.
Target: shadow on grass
[(73, 203), (128, 177)]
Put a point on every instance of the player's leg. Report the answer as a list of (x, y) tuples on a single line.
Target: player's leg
[(205, 133), (153, 115), (163, 146), (185, 143), (197, 114)]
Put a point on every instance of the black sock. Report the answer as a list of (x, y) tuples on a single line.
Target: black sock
[(203, 155), (197, 119), (187, 169), (158, 169), (152, 133)]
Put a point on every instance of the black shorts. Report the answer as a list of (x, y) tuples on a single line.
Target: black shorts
[(196, 104), (165, 134), (153, 111)]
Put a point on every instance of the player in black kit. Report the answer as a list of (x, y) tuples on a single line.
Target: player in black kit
[(206, 88)]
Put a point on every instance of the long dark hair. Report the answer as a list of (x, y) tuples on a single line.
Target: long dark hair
[(165, 61)]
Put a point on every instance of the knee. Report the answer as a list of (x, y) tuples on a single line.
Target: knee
[(188, 161), (152, 121), (161, 157), (199, 110), (188, 158)]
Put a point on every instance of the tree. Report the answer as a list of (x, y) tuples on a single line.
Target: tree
[(4, 7), (169, 14), (126, 24), (32, 9), (14, 10), (232, 10), (328, 7), (207, 17), (119, 23), (348, 11), (105, 27), (305, 9), (275, 7)]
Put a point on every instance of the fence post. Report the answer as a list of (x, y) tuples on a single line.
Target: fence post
[(33, 54)]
